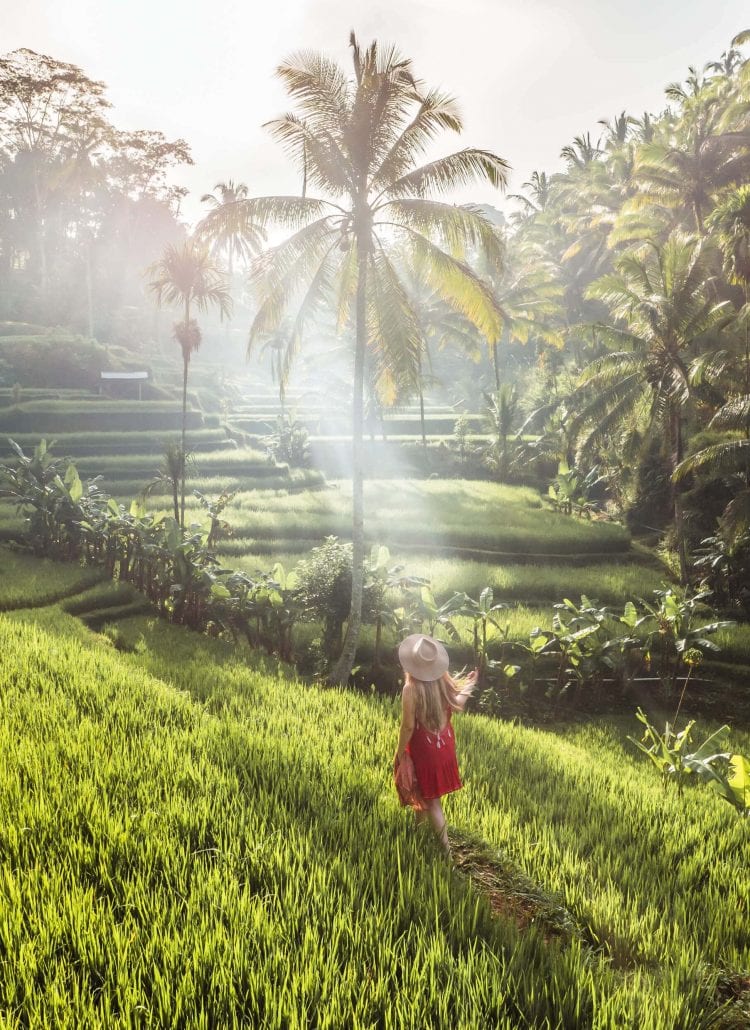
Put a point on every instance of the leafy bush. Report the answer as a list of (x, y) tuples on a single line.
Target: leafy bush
[(53, 360), (324, 589), (288, 443)]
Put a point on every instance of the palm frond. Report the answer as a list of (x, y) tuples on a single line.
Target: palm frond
[(319, 86), (283, 271), (437, 111), (314, 301), (394, 333), (318, 154), (604, 416), (736, 515), (734, 414), (447, 173), (728, 456), (457, 228), (456, 283)]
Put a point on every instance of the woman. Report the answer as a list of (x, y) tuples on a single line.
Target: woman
[(425, 766)]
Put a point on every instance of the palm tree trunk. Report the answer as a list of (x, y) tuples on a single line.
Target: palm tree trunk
[(343, 668), (747, 379), (89, 297), (40, 234), (185, 360), (421, 402), (185, 363), (421, 398), (496, 363), (675, 425)]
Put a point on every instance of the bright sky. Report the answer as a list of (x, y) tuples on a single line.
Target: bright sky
[(529, 74)]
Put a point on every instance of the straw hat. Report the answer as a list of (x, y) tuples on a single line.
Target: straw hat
[(422, 657)]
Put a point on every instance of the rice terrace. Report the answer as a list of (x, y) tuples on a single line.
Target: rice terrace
[(375, 517)]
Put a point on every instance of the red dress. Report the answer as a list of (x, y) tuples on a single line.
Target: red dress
[(434, 757)]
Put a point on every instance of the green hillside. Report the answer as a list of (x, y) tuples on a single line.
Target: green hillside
[(190, 836)]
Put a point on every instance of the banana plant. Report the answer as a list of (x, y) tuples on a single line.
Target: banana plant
[(734, 786), (668, 752), (278, 588), (571, 491), (726, 774), (214, 509), (427, 612), (671, 627), (483, 613), (41, 486), (540, 644), (586, 650), (382, 581)]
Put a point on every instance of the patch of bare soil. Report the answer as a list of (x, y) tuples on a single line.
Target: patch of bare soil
[(509, 892)]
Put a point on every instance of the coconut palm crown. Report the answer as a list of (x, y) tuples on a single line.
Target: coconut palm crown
[(357, 141), (234, 242)]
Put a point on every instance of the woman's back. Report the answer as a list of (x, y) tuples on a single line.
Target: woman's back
[(435, 700)]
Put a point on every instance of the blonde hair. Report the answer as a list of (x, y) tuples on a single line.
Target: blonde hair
[(433, 697)]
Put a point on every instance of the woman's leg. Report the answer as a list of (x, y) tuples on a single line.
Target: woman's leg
[(437, 818)]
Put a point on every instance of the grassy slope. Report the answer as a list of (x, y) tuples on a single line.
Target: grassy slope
[(30, 582), (191, 838), (428, 514)]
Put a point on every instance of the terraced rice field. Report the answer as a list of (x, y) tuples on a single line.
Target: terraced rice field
[(189, 835)]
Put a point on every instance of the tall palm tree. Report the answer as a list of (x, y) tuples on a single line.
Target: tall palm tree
[(358, 140), (684, 172), (233, 241), (539, 190), (730, 222), (663, 310), (186, 275), (227, 241), (499, 417), (581, 152), (528, 295)]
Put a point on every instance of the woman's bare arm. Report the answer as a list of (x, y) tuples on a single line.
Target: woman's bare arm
[(470, 685), (408, 719)]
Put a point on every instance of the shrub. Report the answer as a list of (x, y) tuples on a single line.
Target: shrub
[(324, 589)]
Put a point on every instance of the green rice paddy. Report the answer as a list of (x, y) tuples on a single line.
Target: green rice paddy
[(190, 836)]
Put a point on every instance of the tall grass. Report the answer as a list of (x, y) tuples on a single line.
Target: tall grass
[(31, 582), (242, 861), (48, 417), (651, 874), (113, 444)]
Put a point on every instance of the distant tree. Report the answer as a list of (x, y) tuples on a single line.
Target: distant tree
[(730, 221), (51, 113), (187, 276), (138, 162), (684, 173), (73, 194), (229, 239), (500, 414)]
